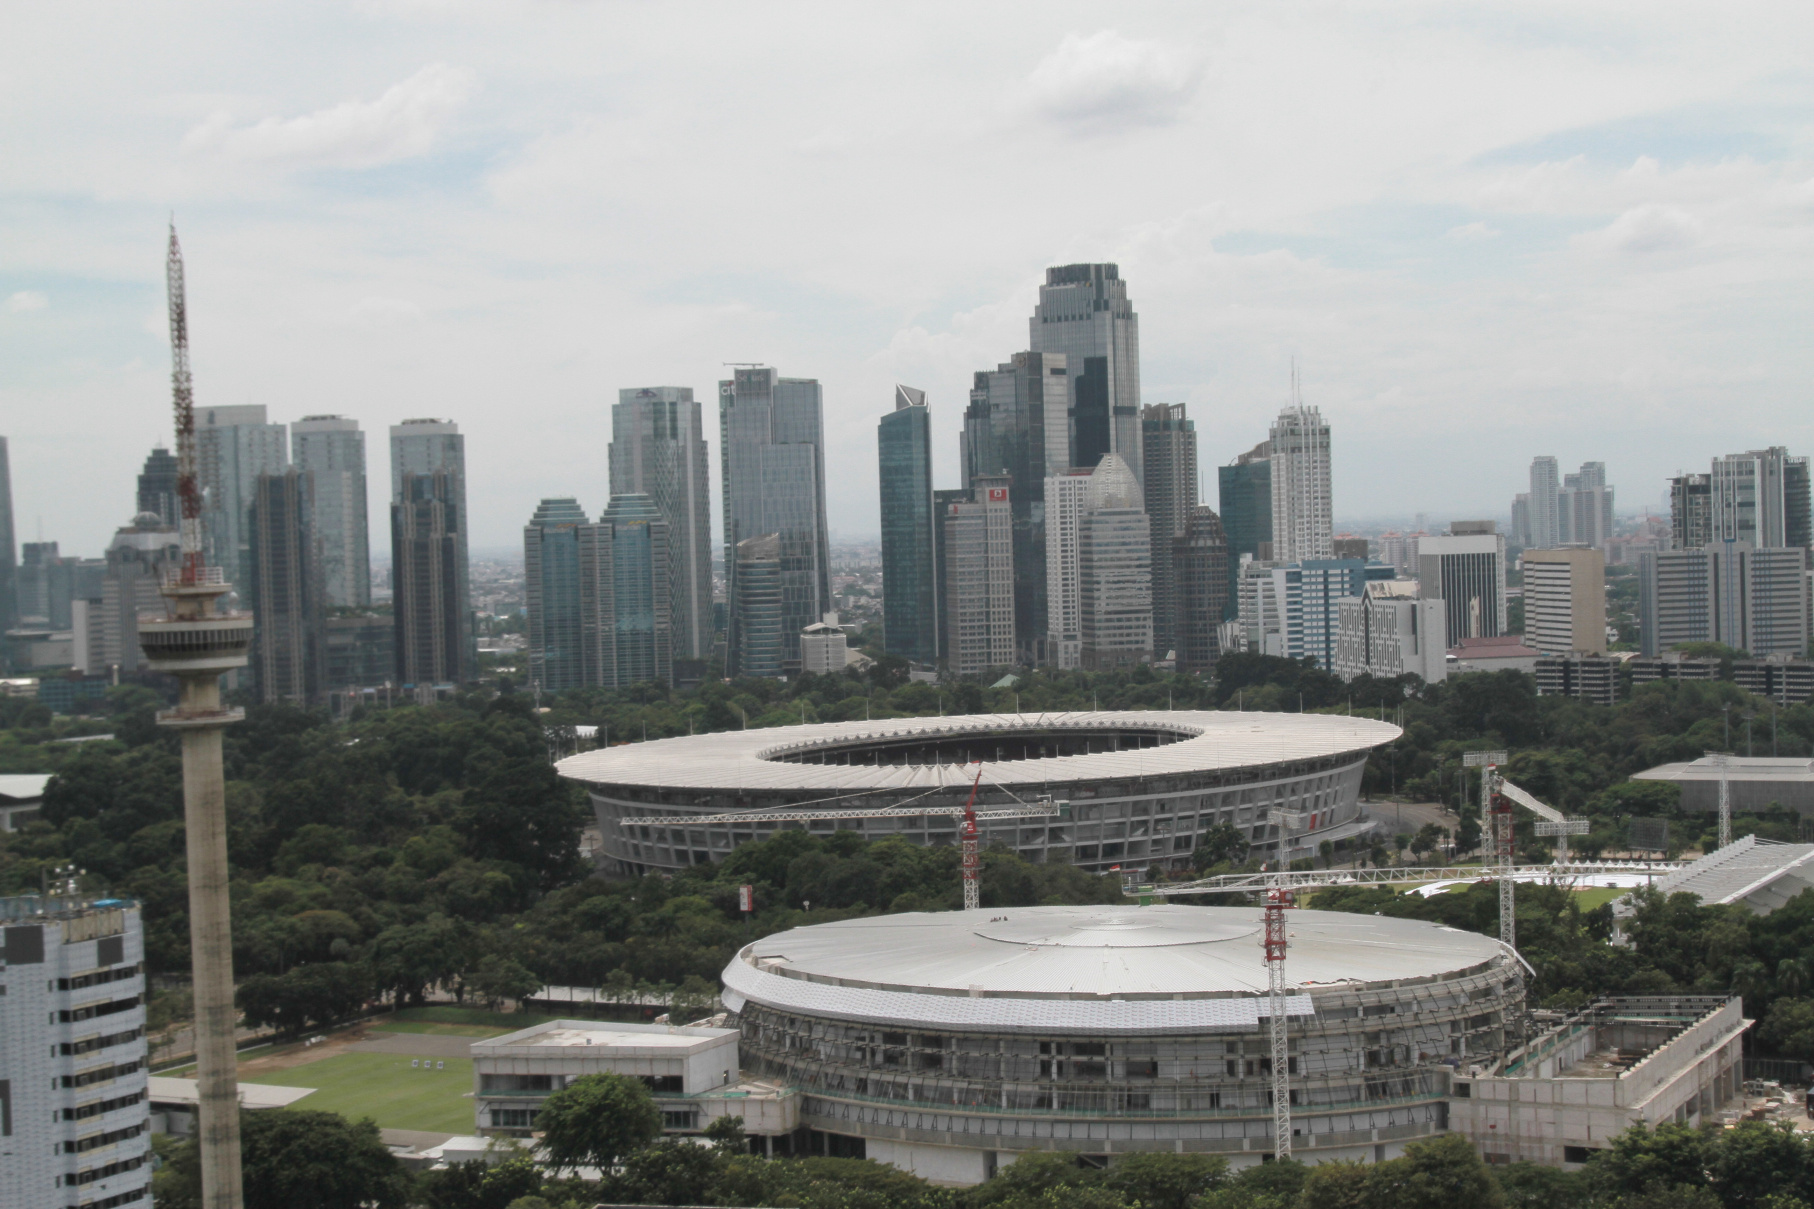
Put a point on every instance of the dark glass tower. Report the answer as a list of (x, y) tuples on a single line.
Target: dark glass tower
[(1244, 491), (9, 599), (1084, 314), (552, 587), (428, 544), (1169, 442), (286, 592), (909, 540), (641, 604), (1200, 568), (157, 486)]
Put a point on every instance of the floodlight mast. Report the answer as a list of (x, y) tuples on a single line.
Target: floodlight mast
[(1720, 762)]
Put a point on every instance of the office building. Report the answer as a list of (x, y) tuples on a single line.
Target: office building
[(1690, 511), (1084, 316), (658, 449), (1067, 503), (910, 586), (639, 629), (1545, 521), (137, 558), (757, 609), (286, 594), (1584, 508), (233, 446), (75, 1123), (49, 584), (1310, 595), (332, 450), (1351, 547), (1755, 600), (157, 486), (1585, 677), (1200, 590), (1520, 533), (1565, 600), (9, 587), (1115, 571), (1244, 497), (31, 581), (979, 578), (1388, 631), (360, 651), (772, 449), (1017, 424), (551, 581), (1785, 680), (1399, 551), (428, 563), (824, 650), (1466, 571), (1169, 455), (1760, 497), (1302, 522)]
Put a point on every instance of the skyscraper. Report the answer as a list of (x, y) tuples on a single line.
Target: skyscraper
[(1067, 503), (772, 452), (1169, 453), (286, 592), (332, 450), (658, 450), (551, 575), (1584, 508), (157, 485), (1084, 314), (1690, 511), (642, 636), (1017, 424), (434, 615), (428, 581), (1244, 494), (1466, 571), (1545, 507), (756, 606), (234, 445), (1302, 522), (1200, 589), (137, 560), (1752, 599), (910, 595), (1565, 601), (1114, 571), (979, 578), (1760, 497), (9, 588)]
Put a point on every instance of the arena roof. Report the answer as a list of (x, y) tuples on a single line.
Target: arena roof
[(1760, 874), (748, 759), (1101, 968)]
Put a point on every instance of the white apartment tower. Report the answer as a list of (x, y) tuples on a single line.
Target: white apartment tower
[(1302, 520), (979, 578), (1067, 503), (1545, 505), (1115, 571)]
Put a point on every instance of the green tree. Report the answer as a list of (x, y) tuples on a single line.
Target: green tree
[(1436, 1173), (596, 1120), (480, 1185), (296, 1157), (498, 978), (1789, 1029), (1166, 1181)]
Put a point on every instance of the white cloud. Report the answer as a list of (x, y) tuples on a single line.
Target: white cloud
[(375, 313), (27, 300), (1650, 228), (401, 124), (1474, 232), (1105, 81)]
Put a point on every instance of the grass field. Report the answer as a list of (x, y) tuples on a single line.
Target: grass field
[(385, 1088), (504, 1022)]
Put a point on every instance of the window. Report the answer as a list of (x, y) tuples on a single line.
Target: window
[(1575, 1154), (664, 1084), (681, 1119), (513, 1118)]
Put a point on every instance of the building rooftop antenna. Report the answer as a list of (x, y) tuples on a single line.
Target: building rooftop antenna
[(183, 395)]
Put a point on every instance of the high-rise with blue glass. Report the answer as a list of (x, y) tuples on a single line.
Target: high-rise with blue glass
[(640, 634), (1244, 494), (552, 586), (909, 529), (658, 450)]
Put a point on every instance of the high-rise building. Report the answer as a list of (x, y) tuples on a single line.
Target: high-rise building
[(75, 1123), (1085, 316), (1067, 503), (332, 450), (1302, 522), (1690, 511), (426, 448), (286, 593), (233, 446), (32, 582), (1520, 535), (1584, 508), (157, 486), (1200, 589), (910, 588), (551, 579), (428, 600), (771, 447), (1017, 425), (1752, 599), (1760, 497), (361, 651), (658, 449), (824, 649), (979, 578), (1466, 571), (1545, 518), (641, 631), (1169, 454), (1565, 600), (137, 559), (1293, 610), (1244, 495), (9, 588), (1115, 571), (1389, 631), (757, 607), (1399, 551)]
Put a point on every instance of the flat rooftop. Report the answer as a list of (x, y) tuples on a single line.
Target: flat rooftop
[(607, 1040), (617, 1040)]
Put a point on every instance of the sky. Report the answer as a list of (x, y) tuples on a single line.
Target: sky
[(1485, 231)]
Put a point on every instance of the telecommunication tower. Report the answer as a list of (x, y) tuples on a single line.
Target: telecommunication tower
[(196, 642)]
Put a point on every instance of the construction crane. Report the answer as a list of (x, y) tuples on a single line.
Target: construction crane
[(1043, 807)]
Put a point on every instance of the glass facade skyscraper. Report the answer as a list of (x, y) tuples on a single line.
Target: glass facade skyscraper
[(332, 450), (428, 448), (9, 599), (1244, 495), (909, 539), (552, 589), (233, 446), (658, 450), (285, 590), (641, 609), (157, 486), (756, 606), (1084, 314), (1169, 442)]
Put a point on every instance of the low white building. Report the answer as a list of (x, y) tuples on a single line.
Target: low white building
[(823, 648), (1388, 630), (21, 798), (692, 1073)]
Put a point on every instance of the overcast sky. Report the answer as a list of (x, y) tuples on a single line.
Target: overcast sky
[(1487, 231)]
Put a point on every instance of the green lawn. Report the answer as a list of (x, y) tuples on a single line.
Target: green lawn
[(439, 1029), (508, 1022), (387, 1089)]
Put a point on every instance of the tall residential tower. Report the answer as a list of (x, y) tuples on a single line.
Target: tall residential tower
[(910, 599), (332, 450), (1302, 522), (431, 594), (658, 450)]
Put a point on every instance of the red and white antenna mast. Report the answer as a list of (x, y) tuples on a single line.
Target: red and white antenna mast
[(188, 491)]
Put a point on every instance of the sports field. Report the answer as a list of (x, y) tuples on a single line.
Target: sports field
[(385, 1088)]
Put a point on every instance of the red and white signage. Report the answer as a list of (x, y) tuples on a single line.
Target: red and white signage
[(746, 898), (998, 495)]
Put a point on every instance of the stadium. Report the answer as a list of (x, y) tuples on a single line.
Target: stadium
[(948, 1043), (1141, 787)]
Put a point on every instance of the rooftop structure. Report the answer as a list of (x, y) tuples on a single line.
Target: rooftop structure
[(21, 797), (1143, 784), (1759, 874), (1755, 783)]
